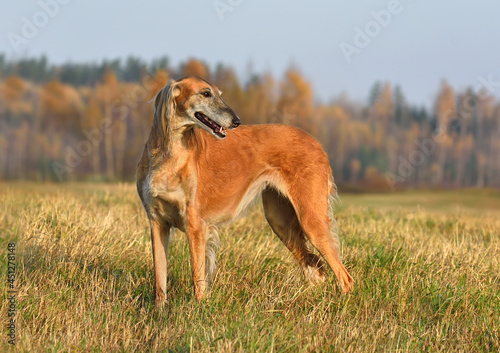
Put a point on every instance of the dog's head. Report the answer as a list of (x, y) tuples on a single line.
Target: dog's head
[(192, 101)]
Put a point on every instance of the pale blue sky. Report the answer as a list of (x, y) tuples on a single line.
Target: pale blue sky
[(423, 43)]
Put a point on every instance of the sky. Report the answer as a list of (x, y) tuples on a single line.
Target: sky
[(339, 46)]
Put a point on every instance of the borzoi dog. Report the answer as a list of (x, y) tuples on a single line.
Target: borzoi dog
[(194, 174)]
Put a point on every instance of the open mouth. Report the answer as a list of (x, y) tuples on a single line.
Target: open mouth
[(216, 128)]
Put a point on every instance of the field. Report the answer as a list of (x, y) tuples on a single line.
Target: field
[(426, 266)]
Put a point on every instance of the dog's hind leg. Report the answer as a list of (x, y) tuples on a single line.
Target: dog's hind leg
[(282, 218), (314, 217)]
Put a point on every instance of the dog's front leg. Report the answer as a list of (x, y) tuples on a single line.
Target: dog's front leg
[(160, 234), (197, 237)]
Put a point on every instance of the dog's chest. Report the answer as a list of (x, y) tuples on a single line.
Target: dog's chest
[(165, 193)]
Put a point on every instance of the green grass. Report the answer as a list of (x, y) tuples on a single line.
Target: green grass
[(426, 266)]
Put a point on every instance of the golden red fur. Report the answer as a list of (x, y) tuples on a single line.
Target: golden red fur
[(194, 174)]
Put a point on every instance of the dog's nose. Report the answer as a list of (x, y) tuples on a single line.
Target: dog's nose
[(236, 121)]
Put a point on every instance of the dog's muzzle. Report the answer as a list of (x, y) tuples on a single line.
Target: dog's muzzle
[(236, 122)]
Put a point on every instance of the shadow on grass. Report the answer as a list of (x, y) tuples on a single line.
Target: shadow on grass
[(129, 280)]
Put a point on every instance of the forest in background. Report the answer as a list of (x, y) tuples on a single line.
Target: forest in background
[(90, 122)]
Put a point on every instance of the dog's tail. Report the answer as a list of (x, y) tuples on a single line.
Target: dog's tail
[(213, 245), (333, 201)]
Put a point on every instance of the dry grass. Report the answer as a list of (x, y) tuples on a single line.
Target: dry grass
[(427, 278)]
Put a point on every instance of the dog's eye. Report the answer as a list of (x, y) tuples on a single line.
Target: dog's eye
[(207, 94)]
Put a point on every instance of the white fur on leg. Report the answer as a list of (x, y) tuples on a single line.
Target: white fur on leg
[(313, 275)]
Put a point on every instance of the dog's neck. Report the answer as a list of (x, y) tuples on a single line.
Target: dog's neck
[(178, 142)]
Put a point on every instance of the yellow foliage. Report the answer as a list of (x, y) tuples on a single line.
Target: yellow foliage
[(13, 88), (195, 68)]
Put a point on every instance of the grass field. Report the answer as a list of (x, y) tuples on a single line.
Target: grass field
[(426, 266)]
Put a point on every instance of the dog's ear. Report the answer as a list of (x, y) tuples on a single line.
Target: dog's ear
[(164, 107), (176, 90), (163, 97)]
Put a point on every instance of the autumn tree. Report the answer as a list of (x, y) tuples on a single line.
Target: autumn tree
[(402, 114), (444, 109), (61, 106), (296, 101), (13, 88), (93, 117), (195, 67), (108, 93), (260, 101), (383, 106), (355, 168)]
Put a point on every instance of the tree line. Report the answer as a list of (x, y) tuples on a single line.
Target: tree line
[(90, 121)]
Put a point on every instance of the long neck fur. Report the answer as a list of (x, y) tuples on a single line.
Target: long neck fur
[(165, 140)]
